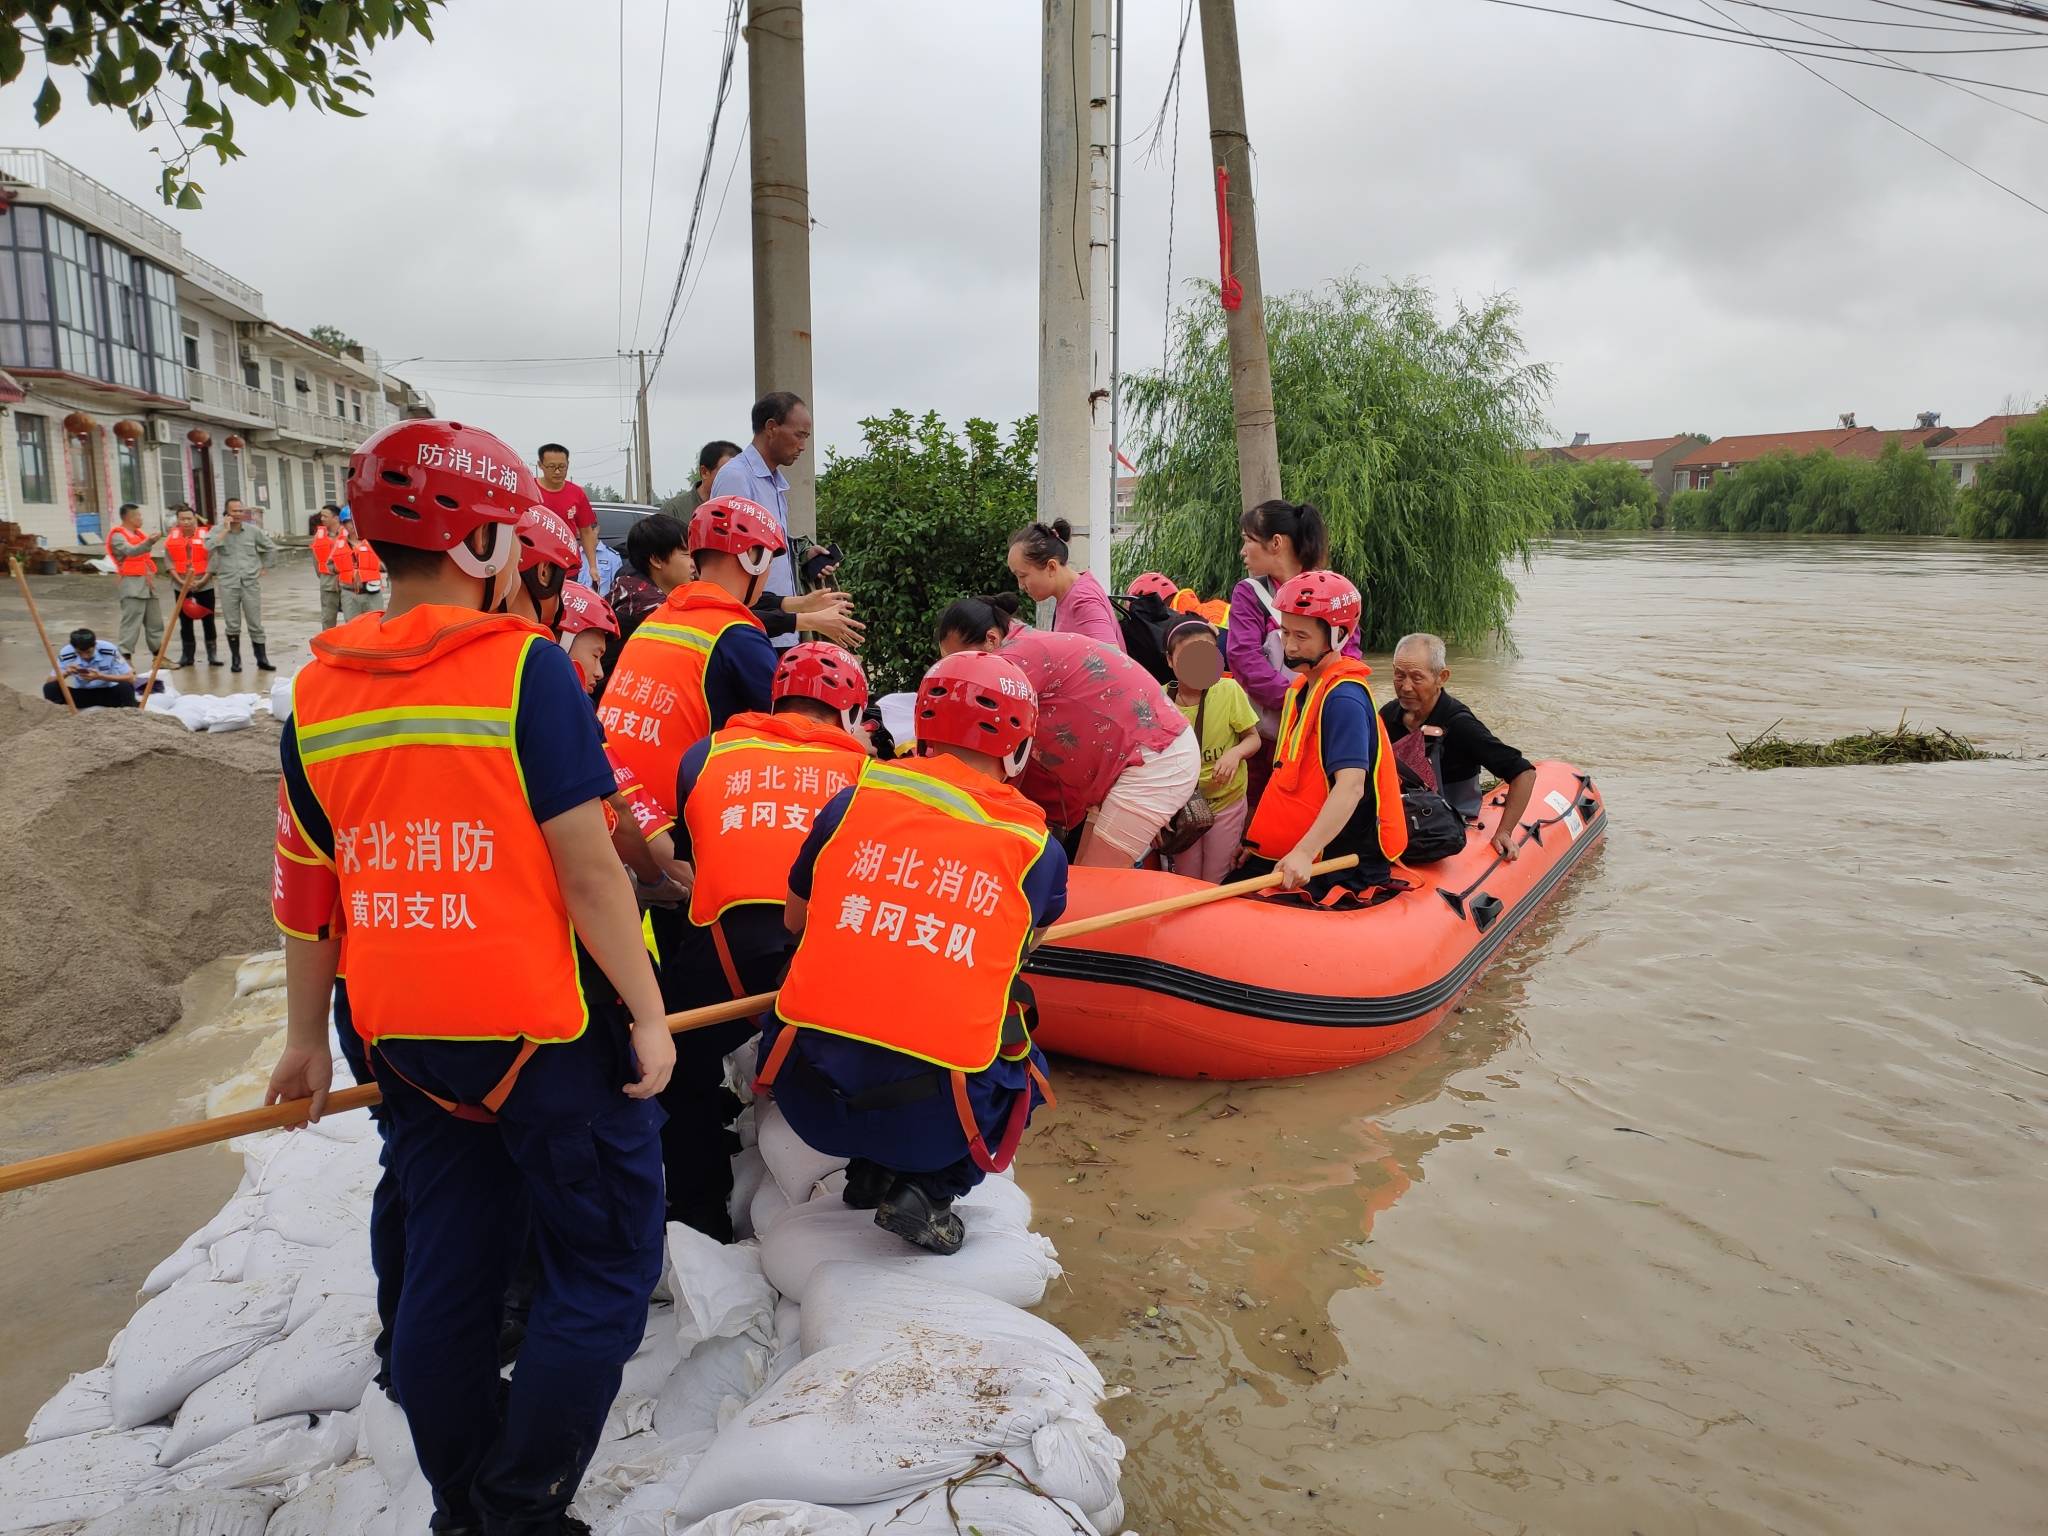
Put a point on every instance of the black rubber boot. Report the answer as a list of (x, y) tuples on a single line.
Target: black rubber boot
[(866, 1183), (212, 656), (234, 653), (262, 661), (913, 1216)]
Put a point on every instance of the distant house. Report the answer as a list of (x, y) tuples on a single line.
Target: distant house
[(1971, 449), (1651, 457), (1707, 462)]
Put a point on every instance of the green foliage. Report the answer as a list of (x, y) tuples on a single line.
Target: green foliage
[(922, 516), (1902, 492), (177, 62), (1606, 493), (1407, 431), (2009, 499), (332, 336)]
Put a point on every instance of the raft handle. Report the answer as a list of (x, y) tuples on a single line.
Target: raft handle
[(1484, 910)]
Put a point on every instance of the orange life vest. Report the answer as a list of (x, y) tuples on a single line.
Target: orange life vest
[(1300, 785), (364, 566), (456, 925), (764, 782), (324, 546), (918, 917), (654, 707), (187, 552), (131, 564)]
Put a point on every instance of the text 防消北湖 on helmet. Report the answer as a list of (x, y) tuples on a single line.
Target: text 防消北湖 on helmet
[(981, 702)]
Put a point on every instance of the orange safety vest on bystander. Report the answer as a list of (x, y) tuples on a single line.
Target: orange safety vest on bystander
[(324, 546), (187, 552), (457, 928), (129, 564), (1300, 785), (654, 707)]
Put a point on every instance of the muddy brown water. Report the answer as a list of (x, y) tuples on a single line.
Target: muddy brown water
[(1719, 1207)]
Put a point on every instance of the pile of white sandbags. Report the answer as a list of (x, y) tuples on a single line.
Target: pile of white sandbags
[(818, 1378)]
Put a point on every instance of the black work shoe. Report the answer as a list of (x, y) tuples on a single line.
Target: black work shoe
[(262, 661), (866, 1183), (913, 1216)]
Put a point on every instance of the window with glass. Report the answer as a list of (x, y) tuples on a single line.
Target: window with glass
[(32, 442), (128, 459), (277, 381), (231, 472), (355, 399), (284, 486), (259, 479), (340, 402), (85, 304), (170, 464), (223, 355), (326, 483), (306, 480)]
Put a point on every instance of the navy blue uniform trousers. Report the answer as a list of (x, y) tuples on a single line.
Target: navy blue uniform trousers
[(584, 1163)]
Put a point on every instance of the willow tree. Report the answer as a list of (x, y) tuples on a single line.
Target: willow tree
[(1409, 431)]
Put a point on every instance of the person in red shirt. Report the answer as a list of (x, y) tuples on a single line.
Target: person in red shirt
[(558, 493)]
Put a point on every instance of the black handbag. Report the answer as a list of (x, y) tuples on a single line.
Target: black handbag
[(1435, 829)]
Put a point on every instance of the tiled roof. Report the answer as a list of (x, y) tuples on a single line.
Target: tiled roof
[(1640, 448), (1747, 450), (1870, 443), (1988, 433)]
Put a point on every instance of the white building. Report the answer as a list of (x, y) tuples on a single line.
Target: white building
[(144, 373)]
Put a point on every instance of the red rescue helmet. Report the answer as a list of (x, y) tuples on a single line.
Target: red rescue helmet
[(192, 608), (545, 538), (733, 525), (981, 702), (583, 609), (431, 484), (1323, 595), (820, 670), (1152, 584)]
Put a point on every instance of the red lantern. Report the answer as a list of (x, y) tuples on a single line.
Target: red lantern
[(235, 443), (78, 424), (197, 438), (128, 431)]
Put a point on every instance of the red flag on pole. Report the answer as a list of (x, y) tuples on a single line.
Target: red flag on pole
[(1233, 290)]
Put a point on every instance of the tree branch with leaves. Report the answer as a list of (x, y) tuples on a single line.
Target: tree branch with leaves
[(177, 63)]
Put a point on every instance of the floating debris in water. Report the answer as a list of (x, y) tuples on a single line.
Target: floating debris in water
[(1901, 744)]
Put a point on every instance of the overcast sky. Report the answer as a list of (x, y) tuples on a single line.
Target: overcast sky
[(1701, 238)]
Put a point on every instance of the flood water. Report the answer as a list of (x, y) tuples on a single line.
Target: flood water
[(1721, 1207)]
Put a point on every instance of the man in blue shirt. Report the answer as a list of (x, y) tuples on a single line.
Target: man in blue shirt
[(96, 672), (782, 430)]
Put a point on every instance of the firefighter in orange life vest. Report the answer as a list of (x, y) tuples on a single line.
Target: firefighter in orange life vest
[(746, 797), (1334, 789), (900, 1037), (443, 800), (185, 549), (142, 618)]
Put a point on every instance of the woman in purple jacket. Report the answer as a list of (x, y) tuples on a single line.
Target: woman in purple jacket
[(1038, 559), (1281, 540)]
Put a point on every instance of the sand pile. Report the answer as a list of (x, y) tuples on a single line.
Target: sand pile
[(135, 852)]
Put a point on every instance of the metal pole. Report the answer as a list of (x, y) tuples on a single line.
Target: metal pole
[(1116, 272), (1251, 374), (782, 225), (1063, 318), (640, 436), (1101, 338)]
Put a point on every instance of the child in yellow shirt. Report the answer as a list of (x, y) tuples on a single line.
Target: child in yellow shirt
[(1227, 731)]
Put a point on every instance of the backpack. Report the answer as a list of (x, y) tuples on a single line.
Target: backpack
[(1145, 621), (1435, 829)]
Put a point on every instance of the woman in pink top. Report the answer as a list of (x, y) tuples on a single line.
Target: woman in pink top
[(1038, 559), (1111, 751)]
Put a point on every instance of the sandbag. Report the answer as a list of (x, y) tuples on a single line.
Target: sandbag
[(384, 1436), (760, 1517), (267, 1454), (75, 1478), (714, 1383), (796, 1167), (78, 1407), (859, 1423), (343, 1270), (718, 1288), (171, 1270), (749, 1174), (228, 1259), (186, 1337), (317, 1215), (998, 1506), (864, 1304), (339, 1502), (267, 1255), (324, 1366), (1000, 1258), (410, 1511), (240, 1512), (660, 1352), (259, 973), (768, 1204), (642, 1472), (216, 1409)]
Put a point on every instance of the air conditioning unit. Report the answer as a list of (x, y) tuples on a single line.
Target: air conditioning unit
[(160, 430)]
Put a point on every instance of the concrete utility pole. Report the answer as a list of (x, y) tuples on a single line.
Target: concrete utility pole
[(1065, 371), (642, 490), (782, 225), (1251, 375), (1101, 342)]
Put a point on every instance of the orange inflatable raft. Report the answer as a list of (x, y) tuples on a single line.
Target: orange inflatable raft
[(1249, 988)]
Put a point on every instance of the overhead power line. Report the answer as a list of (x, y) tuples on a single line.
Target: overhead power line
[(1768, 37), (1990, 101), (675, 298), (1968, 27), (653, 166)]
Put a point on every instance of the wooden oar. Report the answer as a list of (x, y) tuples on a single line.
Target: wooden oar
[(164, 644), (198, 1133), (49, 650)]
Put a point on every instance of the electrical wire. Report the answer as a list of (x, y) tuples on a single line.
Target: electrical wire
[(712, 234), (1992, 101), (1768, 37), (620, 339), (1880, 112), (1969, 28), (668, 322), (1737, 42), (1172, 202), (653, 166)]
